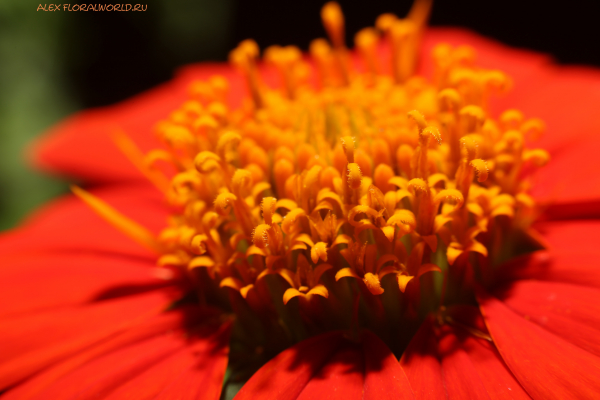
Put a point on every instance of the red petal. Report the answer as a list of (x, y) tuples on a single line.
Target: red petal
[(422, 366), (571, 236), (331, 366), (572, 257), (98, 378), (35, 283), (202, 380), (572, 312), (547, 366), (155, 326), (569, 183), (384, 377), (82, 146), (450, 362), (564, 98), (579, 269), (198, 368), (30, 343), (286, 375), (68, 224), (342, 375), (495, 376), (461, 378)]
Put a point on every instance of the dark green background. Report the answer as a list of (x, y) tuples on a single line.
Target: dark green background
[(55, 63)]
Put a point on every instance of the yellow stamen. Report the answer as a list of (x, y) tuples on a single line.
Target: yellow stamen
[(135, 155), (286, 60), (126, 225), (354, 176), (366, 42), (244, 57), (333, 20), (268, 209), (403, 34), (260, 236), (419, 12)]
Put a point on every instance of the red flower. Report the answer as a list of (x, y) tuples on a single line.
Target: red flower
[(86, 314)]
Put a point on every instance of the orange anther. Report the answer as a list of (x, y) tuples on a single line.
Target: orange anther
[(354, 176), (333, 20)]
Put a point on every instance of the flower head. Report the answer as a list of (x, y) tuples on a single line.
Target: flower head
[(354, 214)]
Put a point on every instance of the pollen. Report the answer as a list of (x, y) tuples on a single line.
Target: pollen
[(354, 174)]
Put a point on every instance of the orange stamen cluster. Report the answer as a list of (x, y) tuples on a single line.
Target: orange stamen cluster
[(373, 172)]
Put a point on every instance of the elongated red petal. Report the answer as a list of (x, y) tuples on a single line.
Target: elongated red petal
[(203, 379), (449, 362), (572, 256), (331, 366), (569, 183), (384, 377), (103, 375), (421, 363), (570, 311), (342, 373), (81, 145), (68, 224), (547, 366), (31, 342), (40, 385), (461, 377), (563, 97), (497, 379), (576, 236), (199, 367), (286, 375), (579, 269), (36, 283)]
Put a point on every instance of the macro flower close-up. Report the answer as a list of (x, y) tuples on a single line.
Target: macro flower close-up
[(414, 217)]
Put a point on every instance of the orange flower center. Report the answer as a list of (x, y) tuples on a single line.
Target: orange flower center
[(362, 171)]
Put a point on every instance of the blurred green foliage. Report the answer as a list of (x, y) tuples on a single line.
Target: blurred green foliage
[(32, 97), (44, 55)]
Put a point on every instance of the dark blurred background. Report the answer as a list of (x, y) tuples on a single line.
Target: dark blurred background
[(55, 63)]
